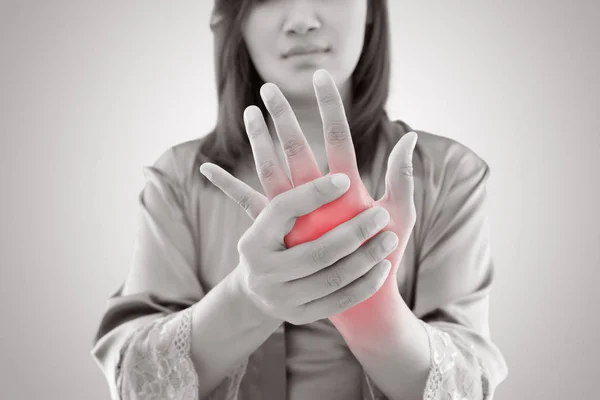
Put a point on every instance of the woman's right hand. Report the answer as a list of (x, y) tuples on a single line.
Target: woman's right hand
[(319, 278)]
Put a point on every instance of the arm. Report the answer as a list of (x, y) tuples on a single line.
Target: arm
[(450, 325), (160, 332), (226, 329), (396, 360)]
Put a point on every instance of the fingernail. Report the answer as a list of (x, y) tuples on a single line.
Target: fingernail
[(382, 217), (320, 77), (414, 143), (390, 241), (268, 91), (340, 181), (204, 171)]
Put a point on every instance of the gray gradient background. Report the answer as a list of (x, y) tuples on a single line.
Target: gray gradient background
[(92, 91)]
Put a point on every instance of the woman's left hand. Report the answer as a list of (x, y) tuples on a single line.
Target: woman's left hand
[(397, 200)]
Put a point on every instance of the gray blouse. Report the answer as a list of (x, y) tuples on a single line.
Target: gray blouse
[(187, 243)]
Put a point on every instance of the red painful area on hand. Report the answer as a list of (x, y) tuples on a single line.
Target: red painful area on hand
[(309, 227)]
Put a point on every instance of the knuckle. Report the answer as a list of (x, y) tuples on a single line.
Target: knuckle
[(319, 254), (362, 233), (254, 131), (245, 201), (330, 99), (406, 169), (336, 134), (319, 192), (345, 301), (371, 253), (267, 169), (335, 277), (293, 147), (278, 109)]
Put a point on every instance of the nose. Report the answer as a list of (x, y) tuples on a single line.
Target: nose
[(301, 18)]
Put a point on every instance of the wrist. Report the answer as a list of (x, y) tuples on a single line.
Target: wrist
[(374, 319), (239, 290)]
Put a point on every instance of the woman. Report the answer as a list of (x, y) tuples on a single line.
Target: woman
[(297, 301)]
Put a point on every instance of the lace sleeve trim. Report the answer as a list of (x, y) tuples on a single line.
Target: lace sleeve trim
[(155, 361), (232, 383), (451, 374), (453, 360)]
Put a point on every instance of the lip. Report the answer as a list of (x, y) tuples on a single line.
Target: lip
[(304, 50), (305, 55)]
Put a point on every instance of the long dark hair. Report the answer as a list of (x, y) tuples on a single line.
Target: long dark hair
[(238, 84)]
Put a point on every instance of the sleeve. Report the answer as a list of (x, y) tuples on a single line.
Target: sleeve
[(455, 276), (143, 343)]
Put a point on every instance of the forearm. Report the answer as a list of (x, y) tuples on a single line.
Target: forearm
[(397, 359), (226, 329)]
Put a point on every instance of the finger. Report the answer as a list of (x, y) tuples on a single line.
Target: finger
[(301, 200), (338, 140), (335, 244), (399, 182), (345, 271), (249, 199), (298, 154), (347, 297), (273, 178)]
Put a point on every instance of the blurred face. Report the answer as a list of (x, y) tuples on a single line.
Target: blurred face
[(289, 40)]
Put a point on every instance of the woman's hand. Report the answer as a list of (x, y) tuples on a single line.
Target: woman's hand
[(397, 200), (319, 278)]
